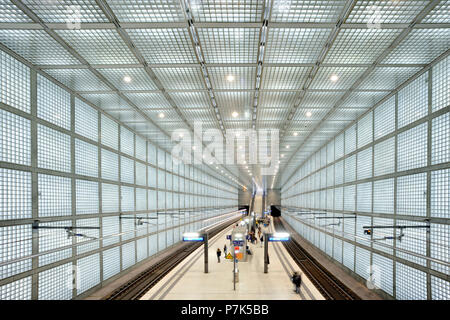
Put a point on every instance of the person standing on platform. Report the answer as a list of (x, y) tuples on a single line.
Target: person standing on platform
[(225, 249), (219, 253), (262, 240), (297, 281)]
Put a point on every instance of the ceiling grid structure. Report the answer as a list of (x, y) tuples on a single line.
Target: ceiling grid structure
[(153, 76), (184, 72), (105, 56), (385, 52)]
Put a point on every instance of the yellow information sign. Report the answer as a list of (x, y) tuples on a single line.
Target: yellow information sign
[(229, 256)]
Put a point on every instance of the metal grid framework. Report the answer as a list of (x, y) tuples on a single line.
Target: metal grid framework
[(390, 169), (179, 54), (188, 46), (66, 162)]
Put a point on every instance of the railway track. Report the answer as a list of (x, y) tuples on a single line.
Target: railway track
[(138, 286), (327, 284)]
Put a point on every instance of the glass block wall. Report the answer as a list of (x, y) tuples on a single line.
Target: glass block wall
[(390, 168), (66, 163)]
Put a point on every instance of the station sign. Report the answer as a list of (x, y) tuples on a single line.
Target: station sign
[(238, 242), (228, 236)]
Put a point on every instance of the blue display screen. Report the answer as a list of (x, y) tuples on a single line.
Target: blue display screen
[(278, 239), (192, 238)]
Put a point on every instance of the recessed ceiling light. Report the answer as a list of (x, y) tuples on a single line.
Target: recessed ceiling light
[(127, 79), (287, 147), (308, 114), (334, 77), (295, 133), (161, 115), (282, 155), (234, 114), (230, 78), (194, 147)]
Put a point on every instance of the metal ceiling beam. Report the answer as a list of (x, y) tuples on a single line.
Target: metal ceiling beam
[(225, 65), (231, 91), (181, 25), (191, 25), (19, 4), (427, 9), (201, 63), (262, 48)]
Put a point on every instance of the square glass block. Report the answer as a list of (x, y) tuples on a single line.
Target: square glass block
[(227, 11), (420, 46), (86, 159), (53, 239), (53, 103), (410, 283), (110, 165), (87, 197), (384, 157), (441, 84), (56, 283), (36, 46), (110, 197), (53, 149), (14, 83), (15, 243), (15, 138), (127, 196), (301, 45), (88, 274), (384, 118), (149, 11), (383, 196), (86, 120), (164, 46), (15, 192), (412, 148), (99, 46), (55, 196), (440, 139), (306, 11), (16, 290), (440, 193), (413, 101), (229, 45), (109, 132), (372, 12)]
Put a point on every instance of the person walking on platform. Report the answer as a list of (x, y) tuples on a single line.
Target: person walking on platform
[(225, 249), (297, 281), (219, 253), (261, 239)]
